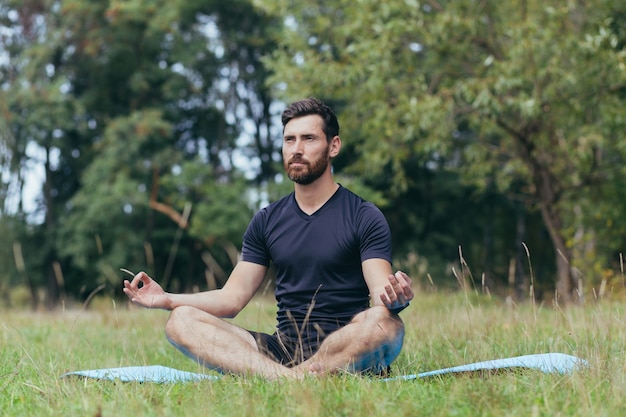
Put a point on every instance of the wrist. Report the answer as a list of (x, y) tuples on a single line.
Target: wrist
[(170, 303), (396, 310)]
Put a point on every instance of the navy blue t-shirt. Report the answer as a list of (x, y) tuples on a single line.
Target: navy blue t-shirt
[(319, 283)]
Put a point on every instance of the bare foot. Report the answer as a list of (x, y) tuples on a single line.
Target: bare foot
[(315, 369)]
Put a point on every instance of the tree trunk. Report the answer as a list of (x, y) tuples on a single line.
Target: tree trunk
[(53, 289), (565, 283), (548, 193), (520, 281)]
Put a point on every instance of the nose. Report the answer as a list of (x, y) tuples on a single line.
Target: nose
[(298, 147)]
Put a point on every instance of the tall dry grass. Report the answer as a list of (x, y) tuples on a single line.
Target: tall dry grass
[(443, 329)]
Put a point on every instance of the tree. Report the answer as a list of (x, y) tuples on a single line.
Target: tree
[(248, 34), (127, 100), (526, 93), (37, 115), (544, 104), (162, 120)]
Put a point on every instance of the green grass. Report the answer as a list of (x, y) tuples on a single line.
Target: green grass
[(442, 330)]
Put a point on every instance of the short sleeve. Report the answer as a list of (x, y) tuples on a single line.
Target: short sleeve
[(375, 234), (254, 248)]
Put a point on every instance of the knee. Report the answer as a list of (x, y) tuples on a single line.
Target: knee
[(392, 329), (180, 318), (391, 325), (386, 334), (382, 314)]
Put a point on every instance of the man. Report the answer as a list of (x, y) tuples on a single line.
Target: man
[(337, 296)]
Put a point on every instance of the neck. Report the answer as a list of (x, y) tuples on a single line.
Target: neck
[(312, 196)]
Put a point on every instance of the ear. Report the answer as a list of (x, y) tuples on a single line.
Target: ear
[(335, 146)]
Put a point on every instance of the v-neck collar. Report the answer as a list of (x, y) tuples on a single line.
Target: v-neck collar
[(317, 212)]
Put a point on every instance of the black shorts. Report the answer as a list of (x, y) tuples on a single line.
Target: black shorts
[(285, 350), (290, 352)]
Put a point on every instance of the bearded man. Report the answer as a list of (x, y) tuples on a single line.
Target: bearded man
[(338, 298)]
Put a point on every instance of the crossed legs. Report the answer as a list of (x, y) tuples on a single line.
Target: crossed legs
[(372, 340), (219, 345)]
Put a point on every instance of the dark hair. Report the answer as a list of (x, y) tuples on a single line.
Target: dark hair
[(310, 106)]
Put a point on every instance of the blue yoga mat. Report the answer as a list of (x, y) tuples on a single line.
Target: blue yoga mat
[(545, 362), (153, 373), (549, 363)]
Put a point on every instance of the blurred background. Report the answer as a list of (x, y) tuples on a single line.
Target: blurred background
[(144, 134)]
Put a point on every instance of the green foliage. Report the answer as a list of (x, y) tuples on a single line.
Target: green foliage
[(97, 229), (127, 100), (8, 274), (524, 97), (478, 126), (220, 212)]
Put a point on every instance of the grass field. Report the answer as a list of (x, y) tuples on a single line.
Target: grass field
[(442, 330)]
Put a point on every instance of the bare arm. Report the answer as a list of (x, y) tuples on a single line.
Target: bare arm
[(228, 301), (386, 288)]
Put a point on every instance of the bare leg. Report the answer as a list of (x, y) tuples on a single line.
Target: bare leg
[(220, 345), (371, 341)]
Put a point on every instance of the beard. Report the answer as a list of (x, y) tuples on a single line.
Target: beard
[(310, 172)]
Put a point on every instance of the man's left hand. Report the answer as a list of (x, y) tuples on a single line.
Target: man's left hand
[(398, 293)]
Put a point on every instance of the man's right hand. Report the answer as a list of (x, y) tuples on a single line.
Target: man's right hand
[(146, 292)]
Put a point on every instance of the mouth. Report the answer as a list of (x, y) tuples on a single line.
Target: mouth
[(297, 163)]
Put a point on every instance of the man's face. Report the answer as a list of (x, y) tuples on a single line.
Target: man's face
[(305, 149)]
